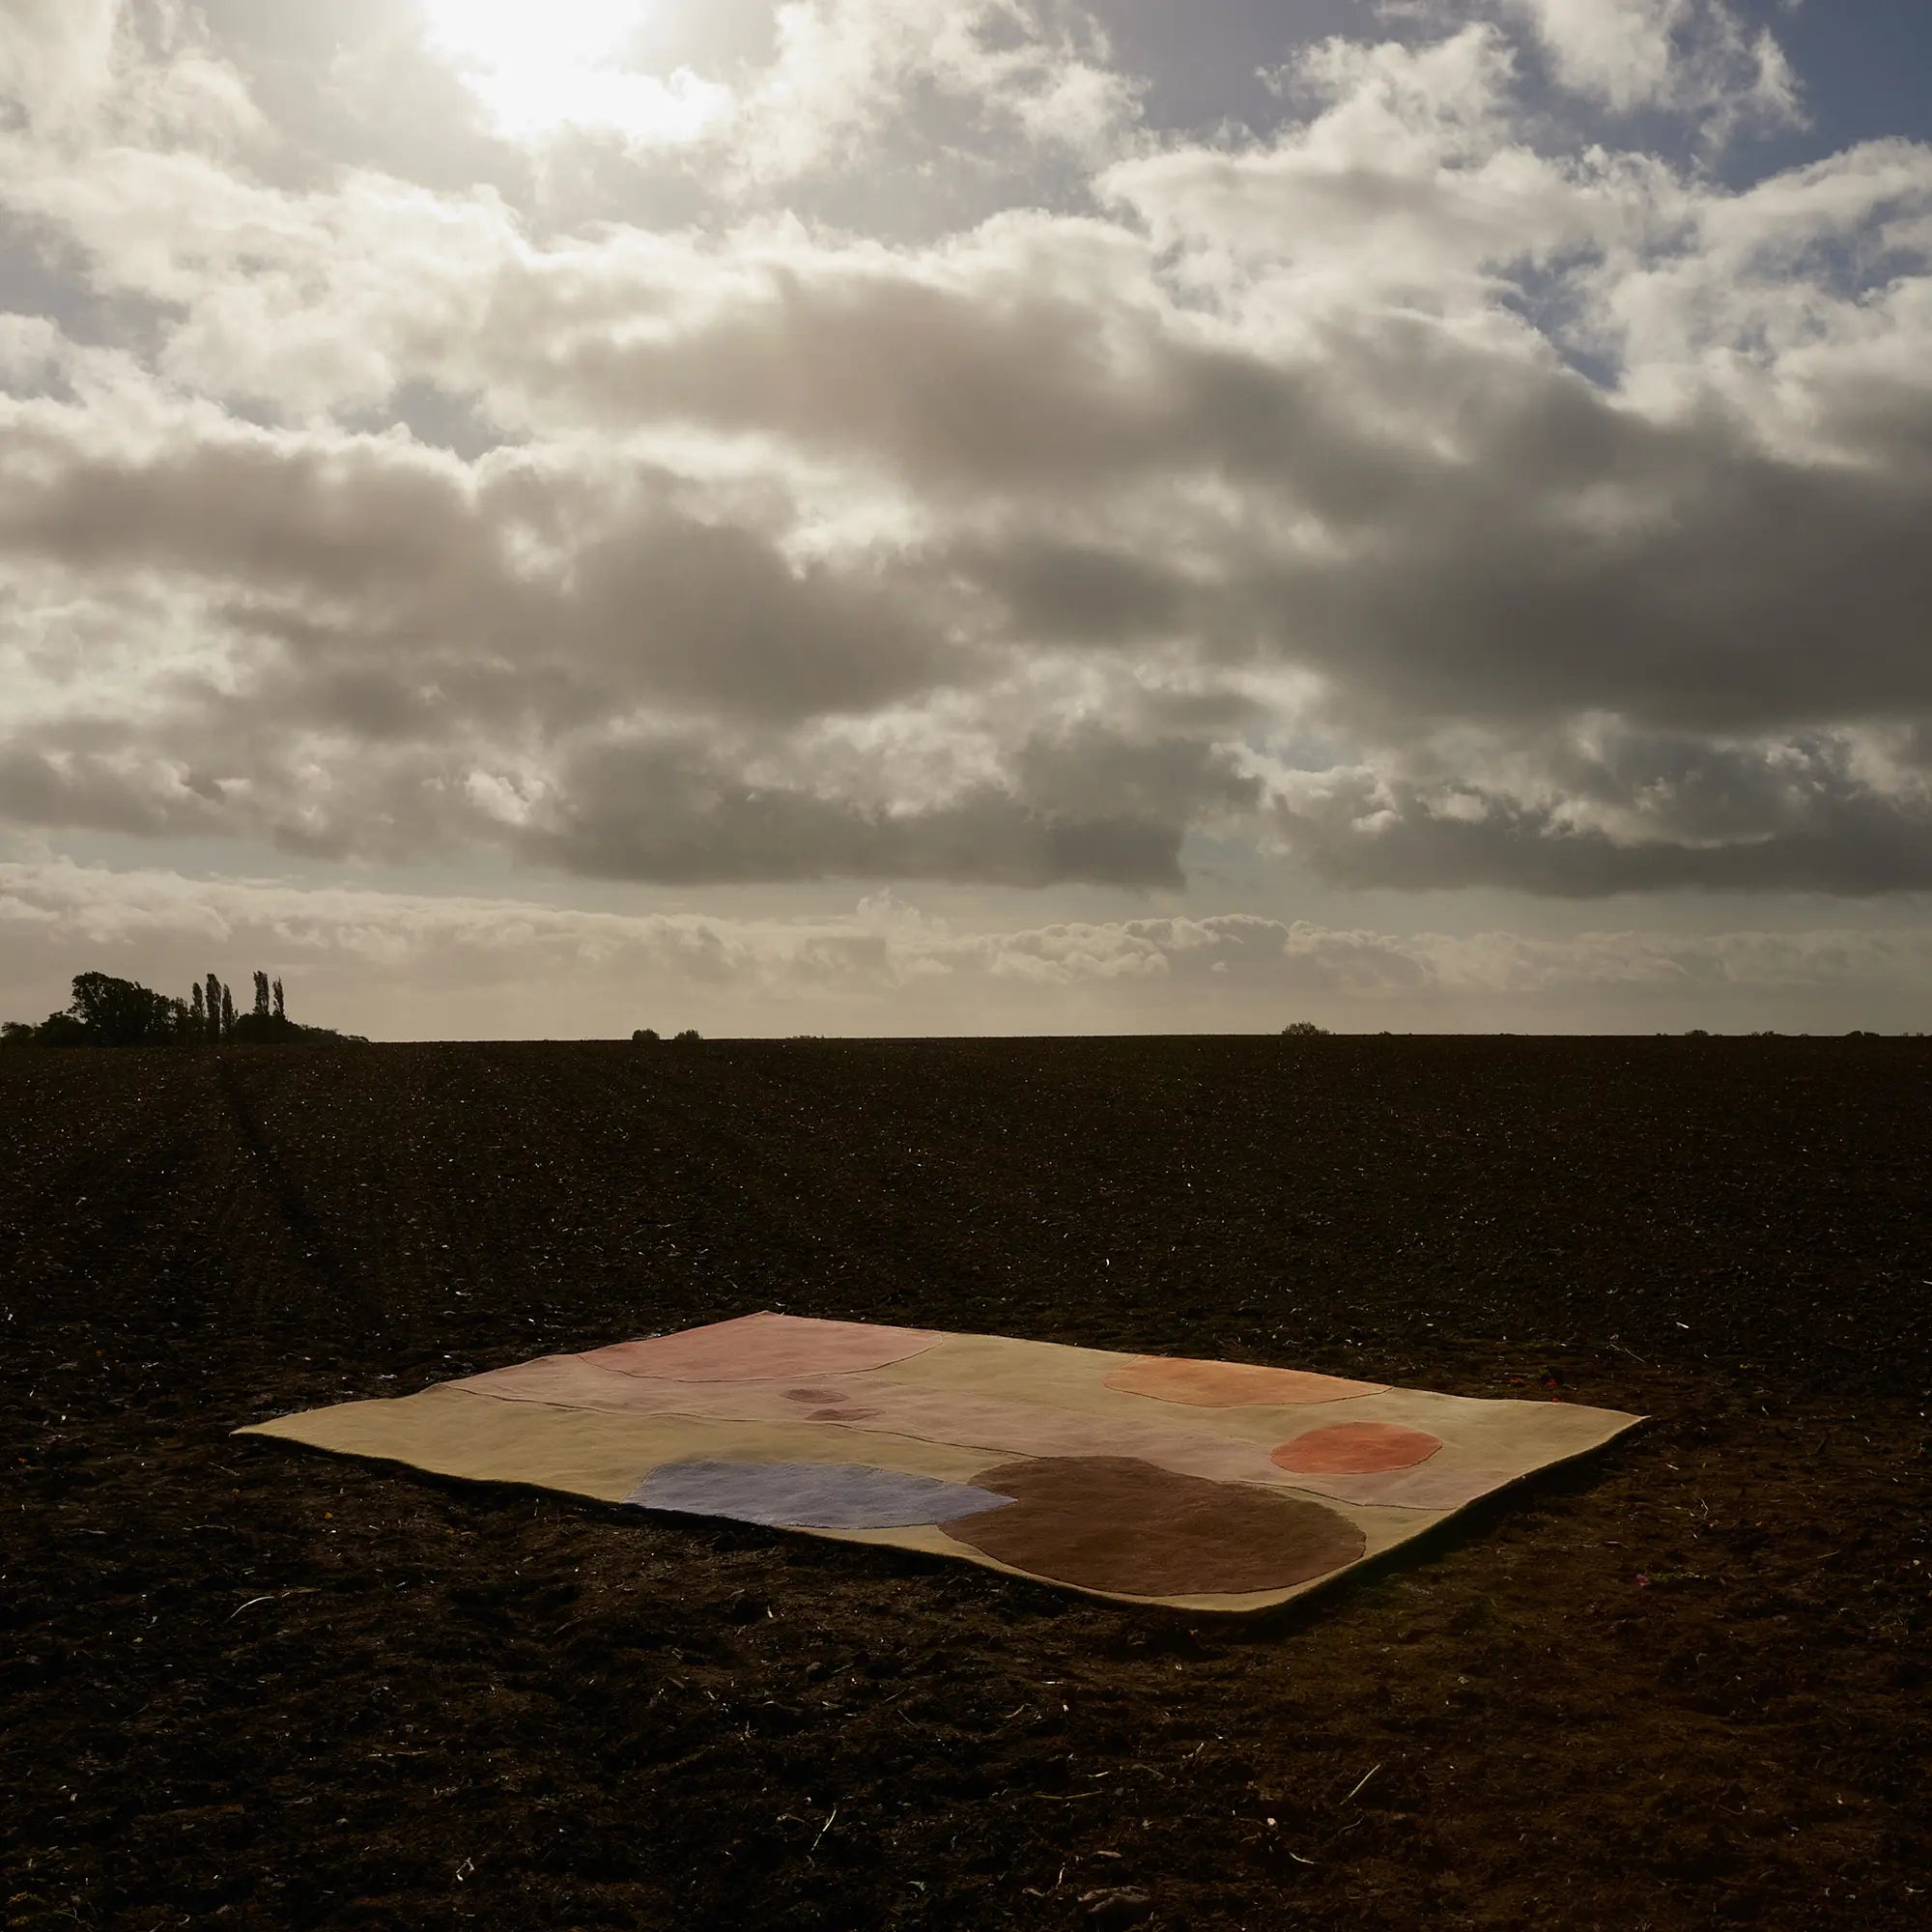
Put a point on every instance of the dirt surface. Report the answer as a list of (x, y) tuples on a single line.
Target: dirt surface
[(246, 1686)]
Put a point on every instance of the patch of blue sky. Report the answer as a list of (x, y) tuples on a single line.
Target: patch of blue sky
[(1206, 62), (1865, 73), (33, 282), (1547, 296), (439, 419)]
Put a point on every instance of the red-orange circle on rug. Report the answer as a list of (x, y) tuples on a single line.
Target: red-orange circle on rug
[(1356, 1449), (1230, 1384)]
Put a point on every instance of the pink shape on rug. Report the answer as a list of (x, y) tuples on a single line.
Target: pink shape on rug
[(763, 1347), (1356, 1449), (1230, 1384)]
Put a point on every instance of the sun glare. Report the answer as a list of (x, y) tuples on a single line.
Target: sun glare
[(506, 35), (541, 65)]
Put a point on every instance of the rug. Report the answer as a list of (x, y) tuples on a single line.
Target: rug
[(1149, 1479)]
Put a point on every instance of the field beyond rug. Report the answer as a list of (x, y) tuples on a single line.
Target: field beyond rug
[(1203, 1486)]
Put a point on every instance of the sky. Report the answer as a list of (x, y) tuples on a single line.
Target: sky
[(902, 517)]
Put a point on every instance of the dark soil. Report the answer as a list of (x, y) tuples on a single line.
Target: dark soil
[(246, 1686)]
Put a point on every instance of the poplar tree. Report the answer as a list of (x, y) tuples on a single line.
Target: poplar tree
[(281, 1010), (261, 996), (227, 1013), (214, 1008), (197, 1015)]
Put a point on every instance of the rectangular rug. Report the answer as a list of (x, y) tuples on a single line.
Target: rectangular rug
[(1147, 1479)]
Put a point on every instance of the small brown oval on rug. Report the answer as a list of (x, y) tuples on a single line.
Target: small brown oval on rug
[(1116, 1523)]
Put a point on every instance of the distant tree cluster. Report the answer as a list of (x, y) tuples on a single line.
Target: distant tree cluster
[(1302, 1030), (649, 1036), (106, 1011)]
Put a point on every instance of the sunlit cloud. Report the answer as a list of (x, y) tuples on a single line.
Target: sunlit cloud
[(539, 68)]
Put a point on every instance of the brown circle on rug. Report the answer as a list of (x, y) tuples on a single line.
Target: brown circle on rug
[(1230, 1384), (1356, 1449), (1116, 1523)]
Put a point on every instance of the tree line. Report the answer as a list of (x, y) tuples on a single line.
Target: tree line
[(106, 1011)]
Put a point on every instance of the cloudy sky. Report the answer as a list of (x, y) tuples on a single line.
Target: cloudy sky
[(539, 517)]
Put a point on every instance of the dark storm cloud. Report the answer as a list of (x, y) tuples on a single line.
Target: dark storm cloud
[(662, 811), (96, 794), (1507, 540), (401, 621), (1067, 592), (1571, 556), (1864, 847), (977, 373), (400, 572), (1169, 777), (1638, 815)]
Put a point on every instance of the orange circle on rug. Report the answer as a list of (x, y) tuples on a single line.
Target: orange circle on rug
[(1356, 1449), (1132, 1530), (1230, 1384)]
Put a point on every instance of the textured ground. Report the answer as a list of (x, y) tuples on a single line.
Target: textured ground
[(245, 1687)]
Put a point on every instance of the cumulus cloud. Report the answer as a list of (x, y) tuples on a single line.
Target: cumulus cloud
[(1425, 487), (843, 69), (1687, 56), (54, 56)]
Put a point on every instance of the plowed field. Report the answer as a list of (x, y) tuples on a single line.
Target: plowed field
[(1681, 1683)]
